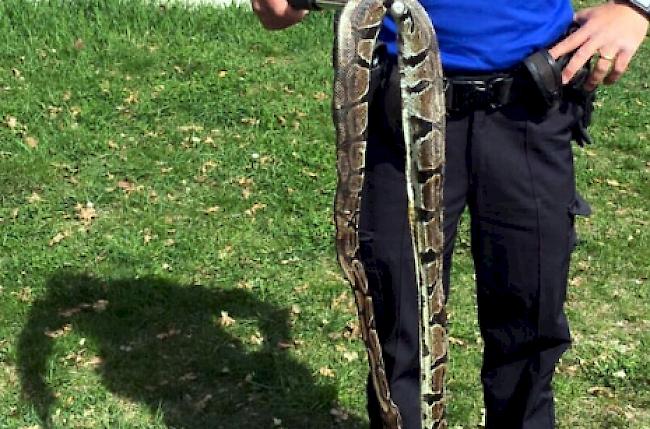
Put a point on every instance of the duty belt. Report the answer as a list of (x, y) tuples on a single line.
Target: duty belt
[(464, 93)]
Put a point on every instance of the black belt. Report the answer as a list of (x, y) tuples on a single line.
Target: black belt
[(464, 93)]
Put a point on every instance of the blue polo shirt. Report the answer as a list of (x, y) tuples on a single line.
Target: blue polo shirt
[(477, 35)]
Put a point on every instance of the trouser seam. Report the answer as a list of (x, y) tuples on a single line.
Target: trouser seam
[(538, 228)]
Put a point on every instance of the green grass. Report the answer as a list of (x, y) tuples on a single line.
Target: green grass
[(205, 147)]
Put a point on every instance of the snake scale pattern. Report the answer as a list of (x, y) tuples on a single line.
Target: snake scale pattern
[(423, 122)]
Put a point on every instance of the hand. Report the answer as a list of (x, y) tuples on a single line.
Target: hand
[(276, 14), (614, 31)]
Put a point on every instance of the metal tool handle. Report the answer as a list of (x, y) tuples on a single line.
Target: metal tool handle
[(317, 4)]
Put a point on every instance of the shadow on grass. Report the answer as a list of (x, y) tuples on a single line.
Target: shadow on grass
[(160, 344)]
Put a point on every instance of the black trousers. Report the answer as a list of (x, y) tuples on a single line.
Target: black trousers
[(513, 170)]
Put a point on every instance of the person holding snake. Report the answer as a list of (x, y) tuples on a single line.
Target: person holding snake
[(518, 84)]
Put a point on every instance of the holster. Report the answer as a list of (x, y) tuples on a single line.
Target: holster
[(545, 74)]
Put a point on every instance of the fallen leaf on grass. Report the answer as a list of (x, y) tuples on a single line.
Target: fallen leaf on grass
[(147, 237), (58, 332), (250, 121), (94, 361), (352, 330), (190, 128), (132, 98), (350, 356), (225, 252), (126, 186), (85, 213), (255, 208), (601, 391), (309, 173), (31, 142), (100, 305), (569, 370), (225, 319), (344, 299), (326, 371), (208, 166), (59, 237), (211, 210), (53, 111), (576, 281), (320, 96), (190, 376), (302, 288), (202, 403), (284, 345), (456, 341), (168, 334), (256, 339), (11, 122), (245, 285), (34, 198), (23, 295), (246, 183)]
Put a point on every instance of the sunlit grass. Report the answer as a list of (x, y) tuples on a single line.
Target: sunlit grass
[(163, 171)]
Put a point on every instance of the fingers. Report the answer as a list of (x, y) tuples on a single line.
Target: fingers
[(620, 66), (600, 71), (276, 14), (613, 29), (578, 60), (570, 43), (583, 15), (577, 38)]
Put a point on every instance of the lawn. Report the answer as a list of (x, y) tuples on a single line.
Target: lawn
[(166, 253)]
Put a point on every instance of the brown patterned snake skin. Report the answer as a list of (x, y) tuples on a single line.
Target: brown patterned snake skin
[(423, 120)]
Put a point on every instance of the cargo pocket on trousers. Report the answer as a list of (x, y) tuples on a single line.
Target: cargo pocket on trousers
[(578, 207)]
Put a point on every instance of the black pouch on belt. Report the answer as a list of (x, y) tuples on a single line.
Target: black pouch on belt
[(545, 74)]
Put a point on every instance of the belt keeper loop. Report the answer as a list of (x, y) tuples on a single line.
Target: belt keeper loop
[(501, 91)]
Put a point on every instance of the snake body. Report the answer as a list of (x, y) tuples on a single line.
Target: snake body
[(423, 121)]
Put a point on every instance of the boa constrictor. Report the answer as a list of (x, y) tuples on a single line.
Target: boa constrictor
[(423, 122)]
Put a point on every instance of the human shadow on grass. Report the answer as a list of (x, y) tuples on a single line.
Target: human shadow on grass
[(161, 344)]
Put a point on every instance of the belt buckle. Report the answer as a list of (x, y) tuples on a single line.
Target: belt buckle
[(476, 93), (499, 91)]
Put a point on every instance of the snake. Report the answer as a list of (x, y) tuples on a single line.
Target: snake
[(423, 124)]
